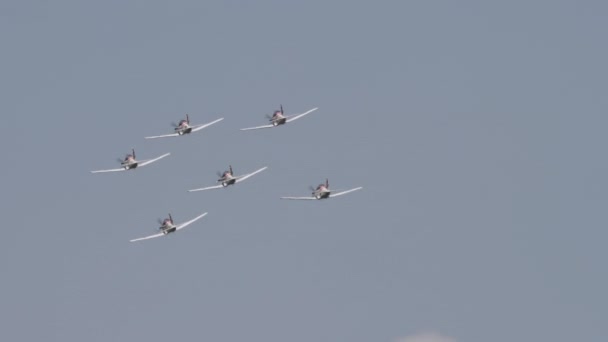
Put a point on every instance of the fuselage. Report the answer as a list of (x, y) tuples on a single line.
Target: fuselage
[(278, 118), (168, 226), (183, 127), (129, 162), (227, 179), (321, 192)]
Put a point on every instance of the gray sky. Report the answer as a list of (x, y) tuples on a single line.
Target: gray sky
[(477, 129)]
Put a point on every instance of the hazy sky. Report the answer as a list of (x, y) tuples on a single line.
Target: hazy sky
[(477, 129)]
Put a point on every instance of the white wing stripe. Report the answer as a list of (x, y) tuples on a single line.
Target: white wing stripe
[(207, 188), (299, 198), (153, 160), (251, 174), (258, 127), (110, 170), (300, 115), (185, 224), (147, 237), (198, 128), (345, 192), (163, 136)]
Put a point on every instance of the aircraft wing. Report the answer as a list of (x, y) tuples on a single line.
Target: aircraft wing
[(242, 178), (199, 127), (296, 117), (148, 237), (163, 136), (344, 192), (299, 198), (146, 162), (187, 223), (258, 127), (207, 188), (109, 170)]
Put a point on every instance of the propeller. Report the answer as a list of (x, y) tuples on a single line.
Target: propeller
[(119, 160), (174, 125), (312, 188), (219, 174), (269, 117), (160, 221)]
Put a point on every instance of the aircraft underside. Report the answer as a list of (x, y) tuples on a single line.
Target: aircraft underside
[(279, 122), (169, 230), (322, 195), (185, 131), (228, 182)]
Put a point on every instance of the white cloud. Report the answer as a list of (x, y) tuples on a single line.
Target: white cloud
[(426, 337)]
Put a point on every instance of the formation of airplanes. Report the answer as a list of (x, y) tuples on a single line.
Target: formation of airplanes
[(226, 178)]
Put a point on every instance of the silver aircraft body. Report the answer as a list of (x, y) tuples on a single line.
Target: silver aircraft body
[(184, 127), (322, 191), (228, 178), (279, 118), (131, 163), (167, 227)]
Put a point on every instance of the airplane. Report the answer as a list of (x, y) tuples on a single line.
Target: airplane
[(184, 127), (322, 191), (279, 118), (167, 227), (228, 178), (130, 163)]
